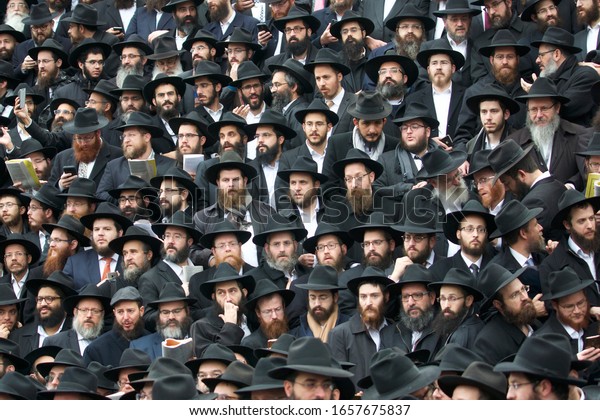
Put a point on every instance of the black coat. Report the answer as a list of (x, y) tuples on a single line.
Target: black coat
[(467, 332), (107, 349), (545, 194), (211, 329), (256, 340), (64, 339), (429, 340), (27, 336), (553, 325), (441, 267), (530, 277), (346, 121)]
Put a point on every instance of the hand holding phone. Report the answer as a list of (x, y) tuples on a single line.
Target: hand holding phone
[(70, 170), (22, 98)]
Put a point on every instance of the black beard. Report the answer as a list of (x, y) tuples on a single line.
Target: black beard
[(239, 148), (591, 16), (502, 23), (87, 75), (179, 257), (324, 316), (259, 104), (167, 114), (298, 48), (218, 310), (54, 319), (137, 331), (385, 262), (281, 99), (419, 323), (444, 326), (526, 316), (220, 13), (354, 49), (268, 156), (391, 91), (186, 28)]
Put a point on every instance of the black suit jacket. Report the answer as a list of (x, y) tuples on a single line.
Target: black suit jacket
[(27, 336), (110, 14), (64, 339), (345, 123), (441, 267), (545, 194), (150, 285), (530, 277)]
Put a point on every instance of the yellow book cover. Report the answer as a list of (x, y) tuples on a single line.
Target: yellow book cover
[(22, 171)]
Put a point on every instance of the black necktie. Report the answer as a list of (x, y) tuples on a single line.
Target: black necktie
[(46, 245), (474, 269)]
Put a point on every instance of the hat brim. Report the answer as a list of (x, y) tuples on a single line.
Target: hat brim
[(207, 288), (508, 367), (477, 295), (562, 293), (71, 128), (31, 248), (427, 22), (459, 11), (408, 66), (223, 79), (284, 372), (457, 159), (34, 285), (367, 25), (489, 50), (310, 244), (187, 184), (212, 172), (287, 132), (89, 219), (559, 98), (521, 220), (260, 239), (415, 229), (76, 52), (530, 10), (313, 22), (331, 116), (64, 57), (561, 215), (457, 58), (285, 175), (450, 382), (159, 229), (307, 87), (453, 221), (82, 239), (431, 122), (506, 166), (570, 48), (178, 82), (286, 294), (355, 283), (208, 239), (427, 374), (487, 300), (373, 165)]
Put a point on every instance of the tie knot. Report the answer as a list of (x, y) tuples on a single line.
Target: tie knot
[(474, 269), (329, 103)]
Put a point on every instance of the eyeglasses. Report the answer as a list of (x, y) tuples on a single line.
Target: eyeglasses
[(174, 236), (48, 299), (17, 254), (413, 27), (76, 204), (94, 102), (93, 311), (515, 385), (391, 70), (581, 305), (198, 48), (84, 139), (279, 244), (52, 377), (330, 246), (169, 191), (502, 57), (45, 61), (352, 31), (413, 127), (204, 85), (41, 27), (357, 178), (130, 199), (470, 229), (542, 54), (269, 312), (540, 109), (522, 291), (449, 299), (8, 205), (375, 243), (483, 181), (143, 396), (416, 238), (594, 166), (313, 386), (417, 297), (494, 5), (63, 111), (318, 124), (277, 85), (95, 63), (129, 56), (231, 244), (248, 88), (187, 136), (52, 240), (295, 29), (175, 311), (17, 6), (236, 50)]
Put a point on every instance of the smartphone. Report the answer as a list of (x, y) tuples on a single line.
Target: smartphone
[(112, 275), (262, 26), (447, 140), (71, 170), (592, 341), (117, 28), (23, 98)]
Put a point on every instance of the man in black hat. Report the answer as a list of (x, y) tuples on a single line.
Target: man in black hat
[(13, 211), (209, 82), (202, 46), (10, 310), (51, 58), (193, 138), (128, 310), (548, 14), (10, 358), (250, 80), (94, 266), (520, 173), (176, 192), (41, 158), (240, 49), (130, 98), (173, 321), (138, 133), (167, 57), (211, 363), (9, 38), (89, 308), (90, 152), (555, 138), (591, 156), (136, 199), (353, 341), (188, 19), (477, 382), (103, 101), (133, 54)]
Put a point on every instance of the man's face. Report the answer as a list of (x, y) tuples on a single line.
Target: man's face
[(45, 309), (370, 130), (315, 128), (65, 114), (130, 201), (104, 231), (40, 33), (328, 81), (75, 33), (371, 304), (253, 94), (186, 13), (131, 100), (281, 246), (517, 187), (499, 12), (472, 243), (572, 310), (592, 164), (228, 292), (48, 67), (237, 53), (351, 32), (440, 69), (170, 65), (582, 227), (190, 139), (505, 63), (458, 26), (281, 8), (209, 369), (416, 308), (488, 193), (409, 29), (176, 244), (206, 90), (231, 180), (466, 393), (166, 97), (517, 307), (377, 249), (270, 311), (93, 66), (227, 248), (357, 177), (587, 11), (415, 140), (542, 111), (173, 319), (308, 386), (7, 47), (135, 143), (451, 310), (229, 138), (535, 237), (16, 259), (54, 377), (97, 102), (202, 51), (134, 255), (492, 117), (131, 58), (170, 198), (267, 141), (281, 91), (321, 304), (11, 210), (526, 390), (392, 80), (303, 189), (9, 315), (297, 35), (78, 206), (128, 314), (418, 246), (41, 165), (87, 321), (333, 251), (545, 14), (60, 242)]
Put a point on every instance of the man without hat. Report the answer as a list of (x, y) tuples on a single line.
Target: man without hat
[(128, 325)]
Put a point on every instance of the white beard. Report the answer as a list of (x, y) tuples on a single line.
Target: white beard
[(454, 198), (16, 21), (543, 136), (177, 71)]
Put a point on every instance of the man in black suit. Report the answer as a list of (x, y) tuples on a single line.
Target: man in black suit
[(209, 82), (223, 19), (13, 211), (90, 308), (492, 195), (112, 13), (133, 55), (10, 308), (90, 153), (375, 11), (137, 136), (587, 39)]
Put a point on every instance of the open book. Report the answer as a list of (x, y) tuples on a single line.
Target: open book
[(21, 170), (180, 350), (143, 168), (191, 162)]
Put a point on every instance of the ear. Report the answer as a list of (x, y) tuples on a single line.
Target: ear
[(554, 305), (149, 255), (405, 78), (355, 121), (280, 140), (469, 301), (218, 87), (202, 140), (498, 305), (428, 132), (59, 62), (28, 259), (557, 105), (317, 184), (491, 56), (392, 244), (190, 241), (154, 101), (386, 297), (506, 114), (250, 54), (184, 194), (80, 65), (74, 244), (245, 292), (287, 387), (309, 31), (372, 176), (144, 60), (141, 310)]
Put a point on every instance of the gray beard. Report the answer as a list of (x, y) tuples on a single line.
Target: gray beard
[(455, 197), (178, 333), (285, 267), (408, 48), (391, 91), (16, 21), (280, 100), (178, 70), (543, 136), (177, 258), (549, 70), (122, 73), (419, 323), (132, 275), (88, 333)]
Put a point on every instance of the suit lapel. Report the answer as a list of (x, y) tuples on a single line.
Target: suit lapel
[(101, 161)]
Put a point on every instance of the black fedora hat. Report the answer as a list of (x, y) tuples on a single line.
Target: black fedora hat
[(84, 14), (543, 87), (409, 68), (327, 56), (418, 111), (351, 16), (17, 193), (164, 47), (492, 92), (181, 220), (37, 98), (478, 162), (9, 30), (457, 7), (471, 207), (106, 210), (104, 88), (277, 223), (130, 359), (33, 146), (86, 121), (229, 160), (265, 287), (303, 164), (309, 355), (593, 147), (89, 291), (204, 36), (223, 227), (297, 70), (324, 229), (8, 297), (410, 12), (98, 369), (275, 119), (506, 155), (214, 351), (55, 279), (175, 387), (171, 292), (543, 358), (261, 381), (159, 368), (18, 386), (529, 9), (560, 38), (38, 14), (34, 355), (228, 118), (280, 347), (438, 162), (414, 273), (134, 41), (54, 47), (440, 46), (143, 120), (211, 70), (240, 36), (478, 375), (136, 233), (163, 79), (131, 83), (75, 380), (563, 283), (567, 201), (355, 155), (512, 216), (237, 373), (503, 38), (12, 351), (317, 106), (6, 72), (65, 357), (370, 106), (18, 239), (418, 220), (171, 6), (243, 352), (55, 103), (492, 279), (419, 357), (460, 278), (248, 71), (296, 13), (322, 277), (87, 44), (370, 275), (199, 122), (225, 272), (453, 357), (134, 183), (183, 179), (72, 226), (377, 221)]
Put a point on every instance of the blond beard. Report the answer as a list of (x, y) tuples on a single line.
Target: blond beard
[(236, 200), (361, 200)]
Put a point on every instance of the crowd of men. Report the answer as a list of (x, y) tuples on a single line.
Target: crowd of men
[(337, 199)]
